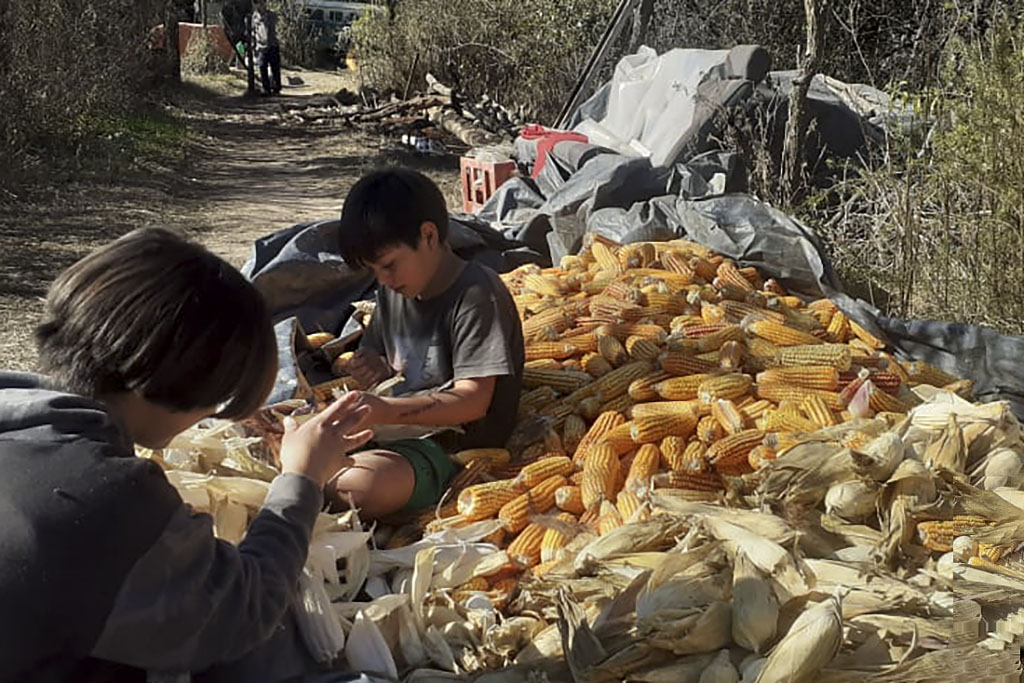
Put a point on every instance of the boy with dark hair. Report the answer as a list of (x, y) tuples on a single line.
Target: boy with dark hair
[(448, 326), (104, 571)]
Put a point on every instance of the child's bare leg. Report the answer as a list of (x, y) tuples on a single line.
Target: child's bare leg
[(380, 483)]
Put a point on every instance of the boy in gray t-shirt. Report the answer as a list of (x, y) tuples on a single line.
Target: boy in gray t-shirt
[(449, 327)]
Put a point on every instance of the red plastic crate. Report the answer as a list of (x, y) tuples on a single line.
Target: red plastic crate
[(480, 179)]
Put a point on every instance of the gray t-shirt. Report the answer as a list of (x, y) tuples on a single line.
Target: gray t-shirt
[(470, 331)]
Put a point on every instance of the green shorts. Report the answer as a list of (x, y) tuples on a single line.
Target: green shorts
[(433, 468)]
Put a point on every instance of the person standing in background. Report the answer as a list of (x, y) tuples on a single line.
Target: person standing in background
[(268, 50)]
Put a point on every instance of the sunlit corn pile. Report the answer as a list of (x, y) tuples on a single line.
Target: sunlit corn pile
[(711, 481)]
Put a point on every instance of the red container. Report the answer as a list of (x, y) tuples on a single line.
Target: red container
[(480, 179)]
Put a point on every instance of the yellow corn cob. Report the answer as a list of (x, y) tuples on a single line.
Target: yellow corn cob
[(623, 331), (615, 383), (693, 481), (546, 286), (712, 314), (473, 473), (787, 421), (704, 270), (570, 499), (573, 364), (562, 381), (866, 337), (602, 425), (837, 356), (631, 508), (664, 303), (543, 364), (816, 408), (780, 335), (890, 364), (672, 449), (605, 258), (535, 399), (622, 404), (729, 455), (646, 430), (779, 392), (760, 456), (642, 390), (729, 416), (600, 475), (611, 350), (489, 456), (557, 412), (595, 365), (882, 402), (657, 408), (590, 408), (708, 430), (525, 549), (809, 376), (731, 386), (838, 331), (556, 537), (624, 292), (681, 388), (676, 262), (585, 342), (716, 339), (939, 535), (642, 348), (553, 442), (620, 439), (573, 431), (764, 349), (730, 356), (609, 518), (729, 274), (481, 501), (539, 499), (753, 277), (644, 466), (549, 349), (919, 372), (540, 470), (681, 364), (823, 305)]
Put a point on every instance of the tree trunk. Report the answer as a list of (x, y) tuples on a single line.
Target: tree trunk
[(794, 155), (641, 22), (171, 54)]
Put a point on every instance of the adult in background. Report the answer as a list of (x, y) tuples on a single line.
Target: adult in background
[(268, 50)]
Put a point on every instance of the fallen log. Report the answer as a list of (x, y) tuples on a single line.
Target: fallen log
[(465, 130)]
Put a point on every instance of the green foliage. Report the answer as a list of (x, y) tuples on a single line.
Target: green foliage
[(521, 52)]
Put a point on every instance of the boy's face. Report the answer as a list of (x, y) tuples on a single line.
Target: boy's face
[(409, 271)]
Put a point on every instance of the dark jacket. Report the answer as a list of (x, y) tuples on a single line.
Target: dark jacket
[(101, 562)]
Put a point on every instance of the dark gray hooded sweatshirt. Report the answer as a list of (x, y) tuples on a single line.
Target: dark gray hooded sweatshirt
[(104, 571)]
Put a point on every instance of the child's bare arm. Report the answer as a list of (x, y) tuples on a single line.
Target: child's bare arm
[(467, 400)]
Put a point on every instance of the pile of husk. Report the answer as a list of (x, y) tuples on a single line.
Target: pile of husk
[(883, 547)]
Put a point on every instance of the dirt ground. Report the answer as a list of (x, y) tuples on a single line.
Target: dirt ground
[(243, 175)]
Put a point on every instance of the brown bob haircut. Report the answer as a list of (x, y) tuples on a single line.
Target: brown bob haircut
[(161, 316)]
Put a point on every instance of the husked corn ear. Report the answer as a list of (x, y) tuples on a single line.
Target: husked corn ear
[(729, 454), (556, 537), (585, 342), (623, 331), (570, 499), (525, 549), (883, 402), (539, 499), (787, 421), (780, 392), (730, 356), (615, 383), (729, 416), (544, 285), (781, 335), (866, 337), (481, 501), (590, 408), (708, 430), (665, 303), (682, 364), (730, 386), (642, 348), (549, 349), (939, 535), (772, 285), (646, 430), (693, 481), (755, 409), (604, 423), (729, 274), (535, 399), (837, 356), (606, 258), (624, 291), (712, 314), (543, 364), (540, 470), (600, 475), (644, 466), (562, 381), (553, 442), (471, 474), (609, 519), (694, 407), (643, 389), (920, 372), (714, 340), (595, 365), (753, 277), (838, 330), (622, 404), (816, 408), (611, 350), (676, 262), (760, 456), (683, 456), (822, 377), (620, 439), (573, 431), (681, 388), (630, 507), (489, 456)]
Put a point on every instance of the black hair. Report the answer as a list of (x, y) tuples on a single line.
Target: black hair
[(386, 208), (159, 315)]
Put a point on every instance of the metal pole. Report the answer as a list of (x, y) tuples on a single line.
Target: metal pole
[(250, 48)]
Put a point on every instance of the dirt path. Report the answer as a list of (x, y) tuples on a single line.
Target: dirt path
[(245, 175)]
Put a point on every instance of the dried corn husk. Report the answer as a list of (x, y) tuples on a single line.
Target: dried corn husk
[(852, 500), (755, 611), (720, 670), (809, 645)]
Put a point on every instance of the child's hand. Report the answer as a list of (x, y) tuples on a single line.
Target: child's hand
[(368, 368), (318, 448)]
